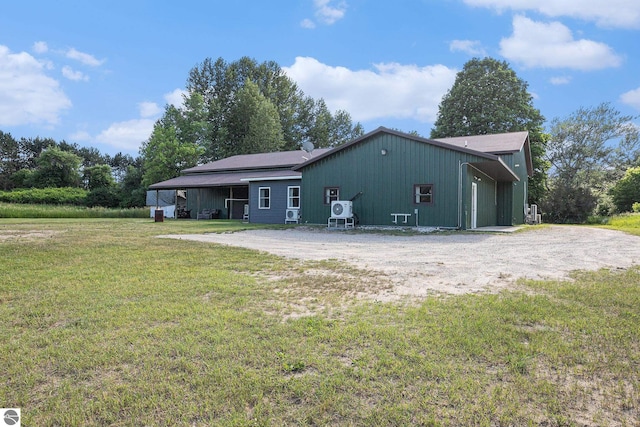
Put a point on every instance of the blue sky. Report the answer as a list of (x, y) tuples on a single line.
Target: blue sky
[(99, 73)]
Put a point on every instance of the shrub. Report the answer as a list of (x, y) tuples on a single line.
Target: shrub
[(567, 204), (626, 192), (105, 197), (52, 196), (636, 207)]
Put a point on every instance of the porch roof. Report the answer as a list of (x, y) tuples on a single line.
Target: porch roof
[(496, 169), (226, 179)]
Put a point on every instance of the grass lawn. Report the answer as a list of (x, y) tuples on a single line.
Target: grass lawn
[(104, 324)]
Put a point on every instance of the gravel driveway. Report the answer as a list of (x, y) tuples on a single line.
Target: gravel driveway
[(419, 264)]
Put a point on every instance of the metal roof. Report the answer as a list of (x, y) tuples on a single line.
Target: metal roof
[(494, 166), (497, 170), (223, 179), (400, 134), (495, 143), (485, 146), (279, 159)]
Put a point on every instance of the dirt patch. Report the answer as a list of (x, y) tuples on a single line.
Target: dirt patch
[(25, 235), (421, 264)]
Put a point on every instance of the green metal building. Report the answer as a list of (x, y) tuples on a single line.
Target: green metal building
[(393, 178)]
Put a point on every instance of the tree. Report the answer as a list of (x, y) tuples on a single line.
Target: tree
[(164, 156), (57, 168), (488, 97), (566, 204), (131, 190), (626, 191), (98, 176), (588, 150), (219, 84), (120, 165), (254, 124), (9, 160)]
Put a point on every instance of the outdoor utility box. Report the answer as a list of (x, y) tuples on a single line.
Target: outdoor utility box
[(159, 215)]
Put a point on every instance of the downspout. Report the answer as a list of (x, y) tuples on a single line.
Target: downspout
[(460, 193)]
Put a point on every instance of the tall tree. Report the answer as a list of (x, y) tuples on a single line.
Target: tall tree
[(592, 146), (131, 190), (164, 155), (219, 84), (588, 151), (254, 124), (488, 97), (10, 161), (120, 165)]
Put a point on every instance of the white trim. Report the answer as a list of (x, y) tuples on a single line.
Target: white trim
[(271, 178), (289, 197), (260, 198), (474, 205)]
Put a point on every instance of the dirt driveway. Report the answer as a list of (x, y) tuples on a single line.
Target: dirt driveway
[(419, 264)]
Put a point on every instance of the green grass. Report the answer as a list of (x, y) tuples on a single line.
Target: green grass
[(15, 210), (629, 223), (105, 324)]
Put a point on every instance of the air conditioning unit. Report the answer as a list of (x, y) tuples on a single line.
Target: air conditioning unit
[(293, 215), (342, 209)]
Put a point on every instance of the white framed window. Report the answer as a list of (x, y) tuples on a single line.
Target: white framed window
[(264, 198), (293, 197), (423, 194), (331, 194)]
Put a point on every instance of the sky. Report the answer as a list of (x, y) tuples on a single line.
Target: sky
[(100, 73)]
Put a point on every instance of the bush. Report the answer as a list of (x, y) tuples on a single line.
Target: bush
[(104, 197), (598, 220), (51, 196), (636, 207), (626, 192), (567, 204)]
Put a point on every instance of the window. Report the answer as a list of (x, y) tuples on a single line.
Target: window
[(293, 197), (423, 193), (264, 197), (331, 194)]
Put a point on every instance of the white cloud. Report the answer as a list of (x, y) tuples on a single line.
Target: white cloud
[(561, 80), (175, 97), (536, 44), (70, 74), (27, 94), (610, 13), (84, 58), (632, 98), (40, 47), (149, 109), (471, 47), (127, 135), (390, 91), (308, 24), (328, 12)]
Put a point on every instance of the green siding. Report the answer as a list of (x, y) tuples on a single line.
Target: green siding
[(387, 183), (505, 203), (513, 195)]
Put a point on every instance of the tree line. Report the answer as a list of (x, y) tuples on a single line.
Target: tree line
[(586, 163), (110, 181)]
